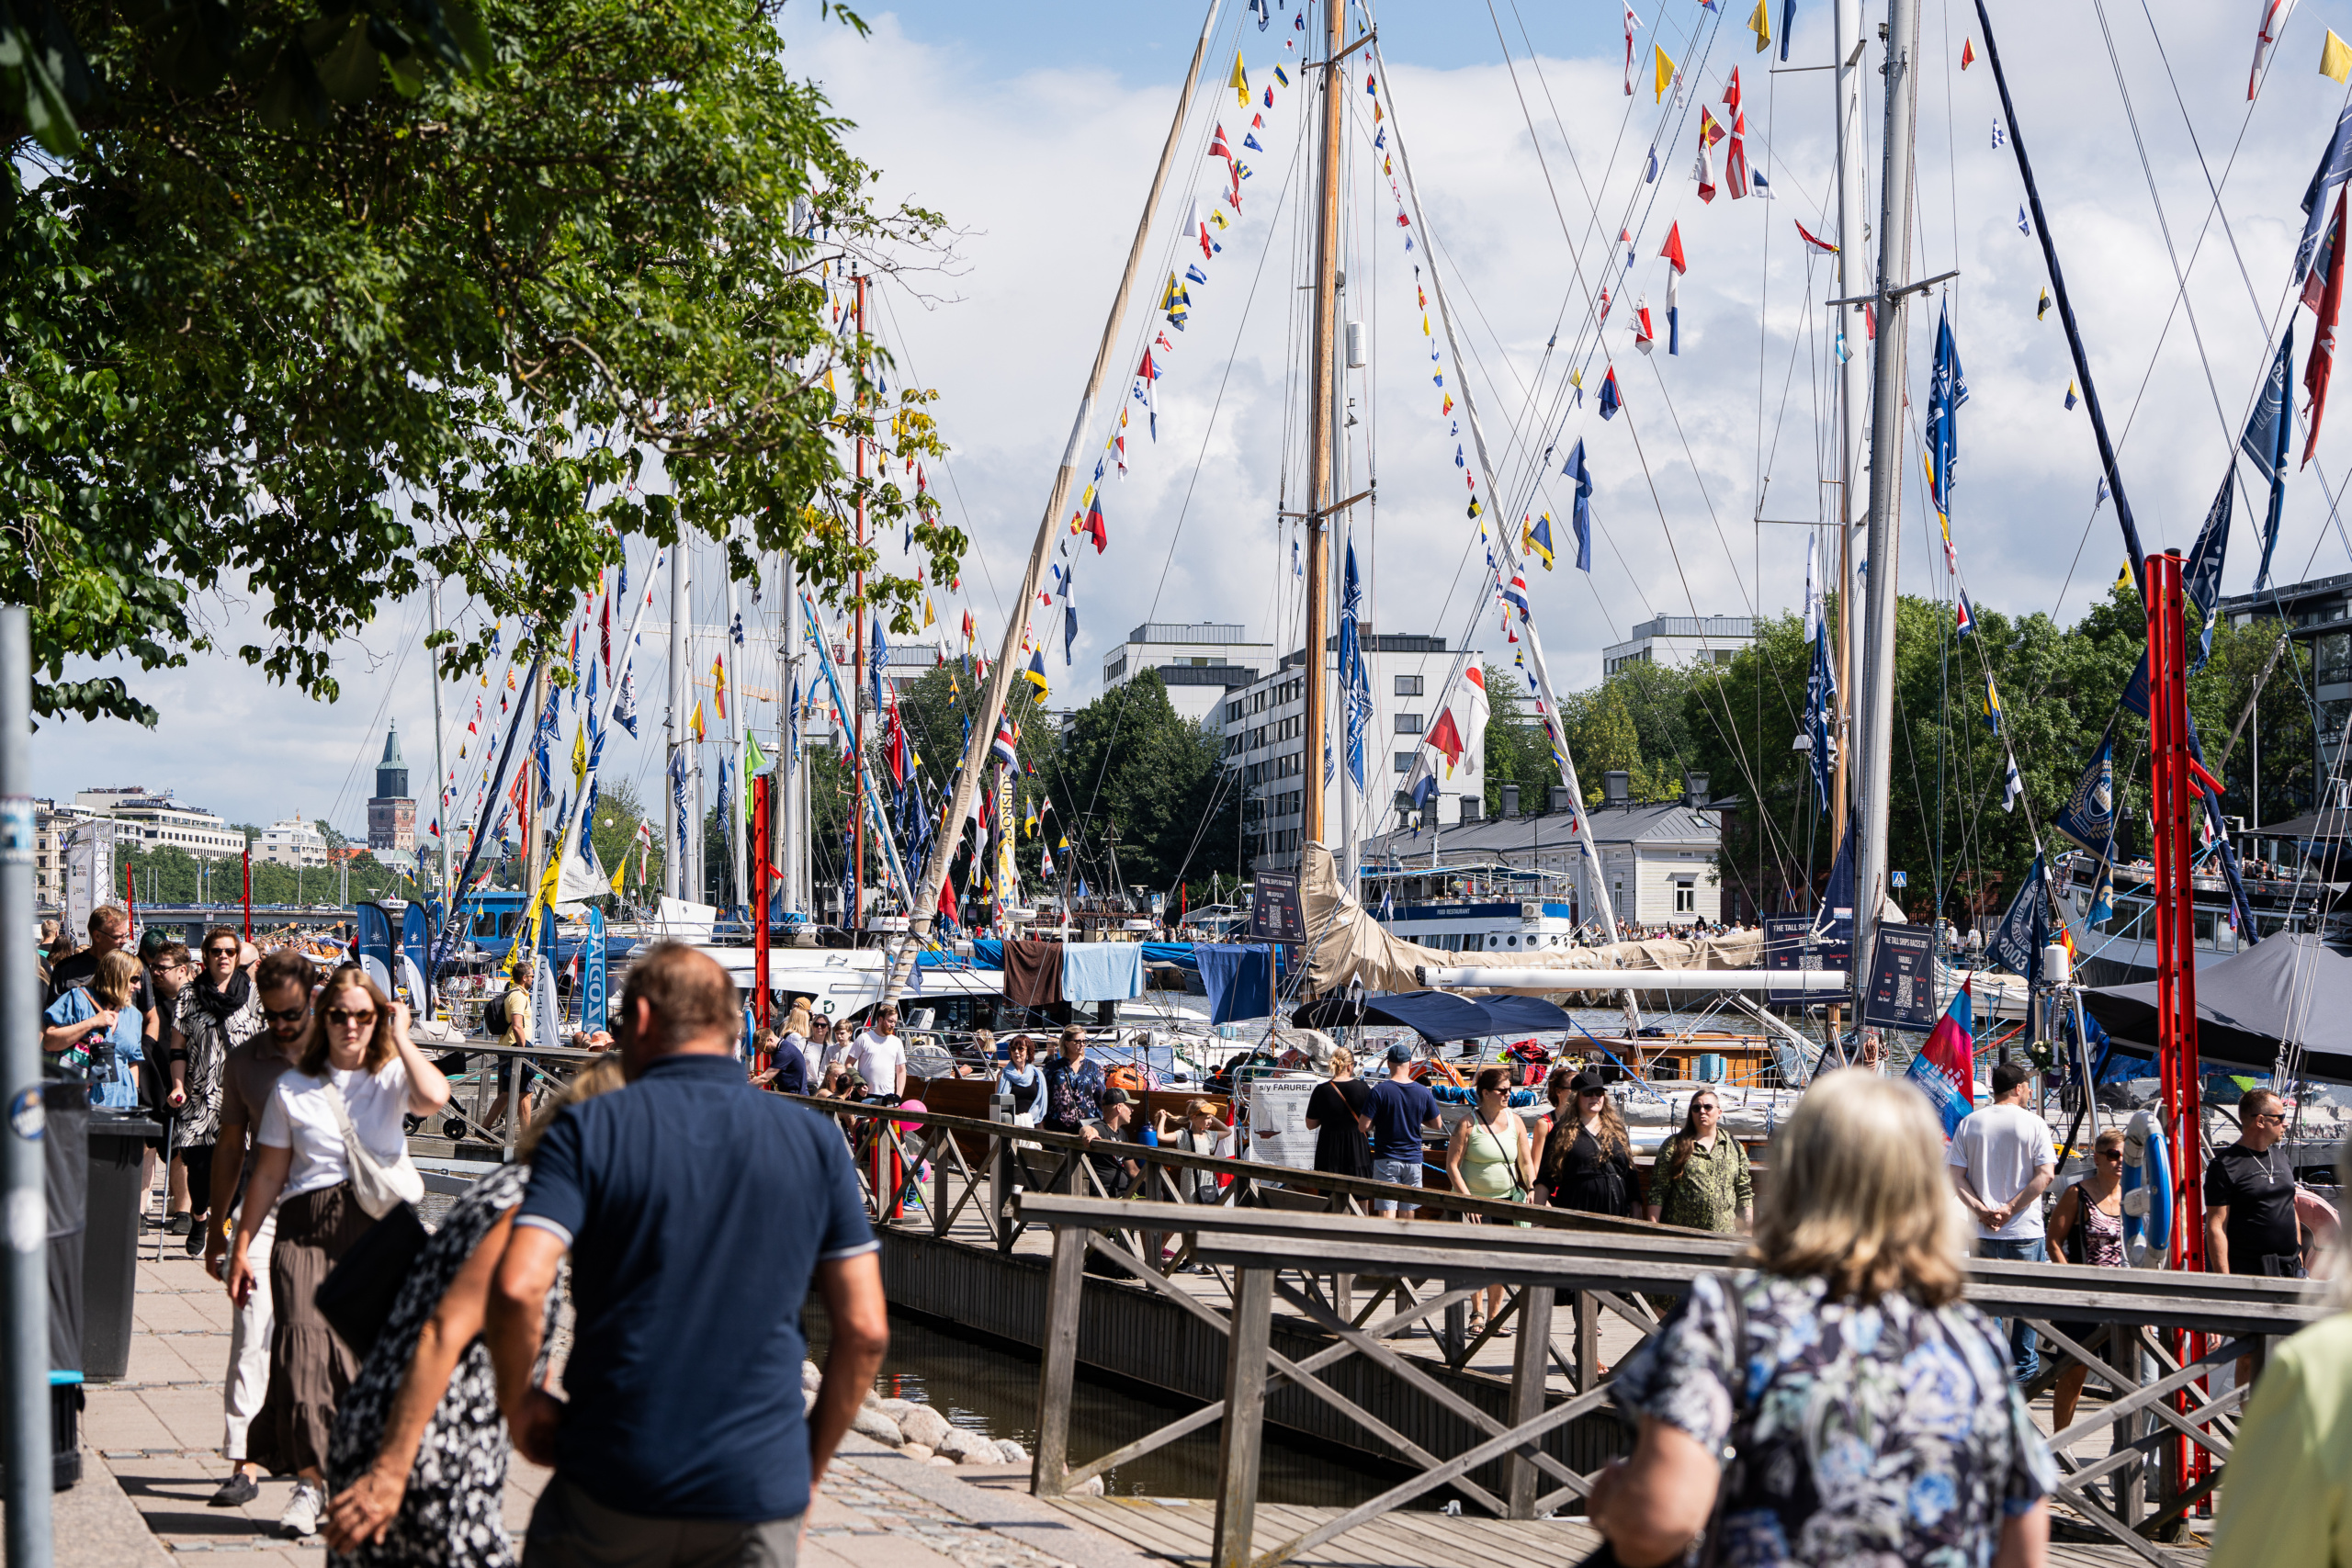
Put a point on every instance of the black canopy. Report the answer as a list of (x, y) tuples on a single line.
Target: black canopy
[(2289, 987), (1435, 1016)]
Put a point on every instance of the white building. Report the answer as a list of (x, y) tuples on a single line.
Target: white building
[(1658, 862), (1200, 662), (150, 819), (1263, 723), (1682, 640), (53, 827), (292, 842)]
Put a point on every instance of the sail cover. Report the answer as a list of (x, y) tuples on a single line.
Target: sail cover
[(2251, 1005)]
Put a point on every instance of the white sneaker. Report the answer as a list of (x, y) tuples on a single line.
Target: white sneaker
[(300, 1519)]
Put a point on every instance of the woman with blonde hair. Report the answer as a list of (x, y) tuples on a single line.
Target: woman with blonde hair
[(356, 1069), (1870, 1412), (795, 1073), (95, 1032), (417, 1464), (1339, 1116)]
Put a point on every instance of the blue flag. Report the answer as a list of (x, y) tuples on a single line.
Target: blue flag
[(2267, 433), (1355, 684), (2016, 941), (881, 662), (2088, 815), (2335, 165), (1946, 389), (1582, 519), (1610, 402), (2203, 577)]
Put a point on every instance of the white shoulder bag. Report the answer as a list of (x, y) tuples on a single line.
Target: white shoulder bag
[(380, 1188)]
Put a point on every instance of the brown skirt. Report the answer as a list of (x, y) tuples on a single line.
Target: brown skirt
[(309, 1366)]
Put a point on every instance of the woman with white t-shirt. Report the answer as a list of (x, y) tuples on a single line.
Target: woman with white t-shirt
[(357, 1051)]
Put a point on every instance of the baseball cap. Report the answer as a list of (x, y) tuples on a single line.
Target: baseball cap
[(1401, 1052), (1589, 1081), (1114, 1095)]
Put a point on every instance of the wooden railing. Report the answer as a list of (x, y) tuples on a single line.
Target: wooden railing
[(2157, 1410)]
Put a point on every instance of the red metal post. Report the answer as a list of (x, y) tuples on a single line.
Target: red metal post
[(2172, 807), (249, 891), (762, 801), (130, 897)]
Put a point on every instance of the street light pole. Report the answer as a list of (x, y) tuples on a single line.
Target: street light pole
[(25, 1333)]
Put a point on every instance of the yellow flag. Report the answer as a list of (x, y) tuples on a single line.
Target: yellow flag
[(1665, 73), (1761, 25), (697, 720), (2335, 57), (2124, 577), (928, 619), (617, 874), (1240, 80), (579, 757)]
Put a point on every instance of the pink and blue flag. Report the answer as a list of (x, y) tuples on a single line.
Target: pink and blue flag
[(1945, 1068)]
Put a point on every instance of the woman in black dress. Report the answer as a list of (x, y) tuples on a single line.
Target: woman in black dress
[(1339, 1116), (1588, 1158)]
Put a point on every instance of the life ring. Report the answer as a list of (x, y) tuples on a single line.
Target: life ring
[(2147, 1188)]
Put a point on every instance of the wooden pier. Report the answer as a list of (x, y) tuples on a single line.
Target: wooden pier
[(1283, 1302)]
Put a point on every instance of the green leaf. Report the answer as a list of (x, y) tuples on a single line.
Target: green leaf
[(349, 67)]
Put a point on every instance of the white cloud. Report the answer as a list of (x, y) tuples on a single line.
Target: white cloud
[(1045, 166)]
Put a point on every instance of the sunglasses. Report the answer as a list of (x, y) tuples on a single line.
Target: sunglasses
[(2110, 1154), (284, 1015), (350, 1015), (219, 953), (2270, 1116), (1706, 1110)]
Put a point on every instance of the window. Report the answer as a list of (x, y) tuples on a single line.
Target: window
[(1409, 724), (1404, 761), (1685, 896), (1409, 685)]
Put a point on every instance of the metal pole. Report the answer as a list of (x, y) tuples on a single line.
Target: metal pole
[(1874, 745), (739, 813), (27, 1356), (791, 794), (1853, 384), (673, 882), (857, 682), (976, 747), (440, 768)]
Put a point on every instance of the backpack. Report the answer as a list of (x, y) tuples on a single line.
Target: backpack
[(493, 1015)]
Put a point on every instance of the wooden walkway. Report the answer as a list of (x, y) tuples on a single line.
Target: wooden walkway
[(1180, 1531)]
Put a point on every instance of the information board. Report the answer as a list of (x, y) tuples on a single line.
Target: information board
[(1790, 944), (1274, 911), (1276, 1123), (1902, 992)]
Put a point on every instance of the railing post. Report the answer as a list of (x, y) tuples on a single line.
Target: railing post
[(1247, 1345), (939, 1163), (1064, 1292), (1531, 1361), (1587, 1342)]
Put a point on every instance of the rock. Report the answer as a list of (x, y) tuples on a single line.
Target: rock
[(811, 1374), (1094, 1487), (1010, 1452), (808, 1400), (966, 1447), (916, 1451), (942, 1459), (925, 1426), (896, 1409), (872, 1401), (880, 1427)]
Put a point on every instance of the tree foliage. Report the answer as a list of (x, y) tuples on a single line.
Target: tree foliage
[(1129, 763), (479, 328)]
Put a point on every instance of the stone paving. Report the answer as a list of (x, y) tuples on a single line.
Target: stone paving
[(152, 1457)]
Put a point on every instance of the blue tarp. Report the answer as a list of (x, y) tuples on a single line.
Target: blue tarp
[(1238, 979), (1514, 1015), (1101, 971), (1436, 1016)]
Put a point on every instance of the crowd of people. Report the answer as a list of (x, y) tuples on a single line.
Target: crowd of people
[(1833, 1399)]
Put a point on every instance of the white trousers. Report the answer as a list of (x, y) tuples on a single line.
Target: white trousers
[(249, 1338)]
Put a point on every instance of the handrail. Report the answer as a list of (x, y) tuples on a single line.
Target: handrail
[(1254, 1171)]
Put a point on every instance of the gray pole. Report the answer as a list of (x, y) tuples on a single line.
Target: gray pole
[(1874, 748), (440, 767), (791, 795), (27, 1316)]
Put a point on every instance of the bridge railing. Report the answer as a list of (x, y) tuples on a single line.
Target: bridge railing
[(2169, 1436)]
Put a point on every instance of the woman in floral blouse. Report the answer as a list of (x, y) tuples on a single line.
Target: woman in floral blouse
[(1871, 1410), (1701, 1177)]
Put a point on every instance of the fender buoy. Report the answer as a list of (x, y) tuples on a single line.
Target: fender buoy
[(2147, 1188)]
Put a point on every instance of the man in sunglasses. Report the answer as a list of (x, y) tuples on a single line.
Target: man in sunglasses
[(283, 983), (2250, 1224)]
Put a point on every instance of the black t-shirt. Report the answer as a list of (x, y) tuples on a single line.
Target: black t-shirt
[(1341, 1146), (83, 968), (2259, 1189)]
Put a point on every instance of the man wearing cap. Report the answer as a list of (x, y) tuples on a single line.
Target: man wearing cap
[(1401, 1109), (1118, 1176)]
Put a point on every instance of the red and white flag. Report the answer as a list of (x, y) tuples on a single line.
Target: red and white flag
[(1631, 22), (1672, 249), (1815, 241), (1735, 157), (2266, 39), (2323, 360), (1644, 339)]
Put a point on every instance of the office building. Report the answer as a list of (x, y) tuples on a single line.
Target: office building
[(1680, 639), (153, 820), (1199, 661)]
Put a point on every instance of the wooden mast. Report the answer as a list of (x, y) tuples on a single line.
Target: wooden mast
[(1320, 433)]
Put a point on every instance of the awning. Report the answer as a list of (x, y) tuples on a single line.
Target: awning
[(1435, 1016), (2248, 1005)]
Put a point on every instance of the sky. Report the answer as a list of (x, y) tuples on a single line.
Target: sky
[(1033, 129)]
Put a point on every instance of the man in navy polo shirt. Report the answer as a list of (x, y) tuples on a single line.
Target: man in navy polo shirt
[(688, 1202)]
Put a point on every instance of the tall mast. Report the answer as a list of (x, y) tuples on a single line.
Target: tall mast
[(1876, 742), (1341, 741), (535, 837), (976, 746), (1320, 432), (791, 796), (440, 768), (857, 678), (1853, 383), (673, 860), (737, 808)]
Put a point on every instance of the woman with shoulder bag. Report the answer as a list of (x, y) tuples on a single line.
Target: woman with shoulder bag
[(331, 1156), (2087, 1228), (418, 1460), (1868, 1413), (1491, 1156), (1588, 1156)]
